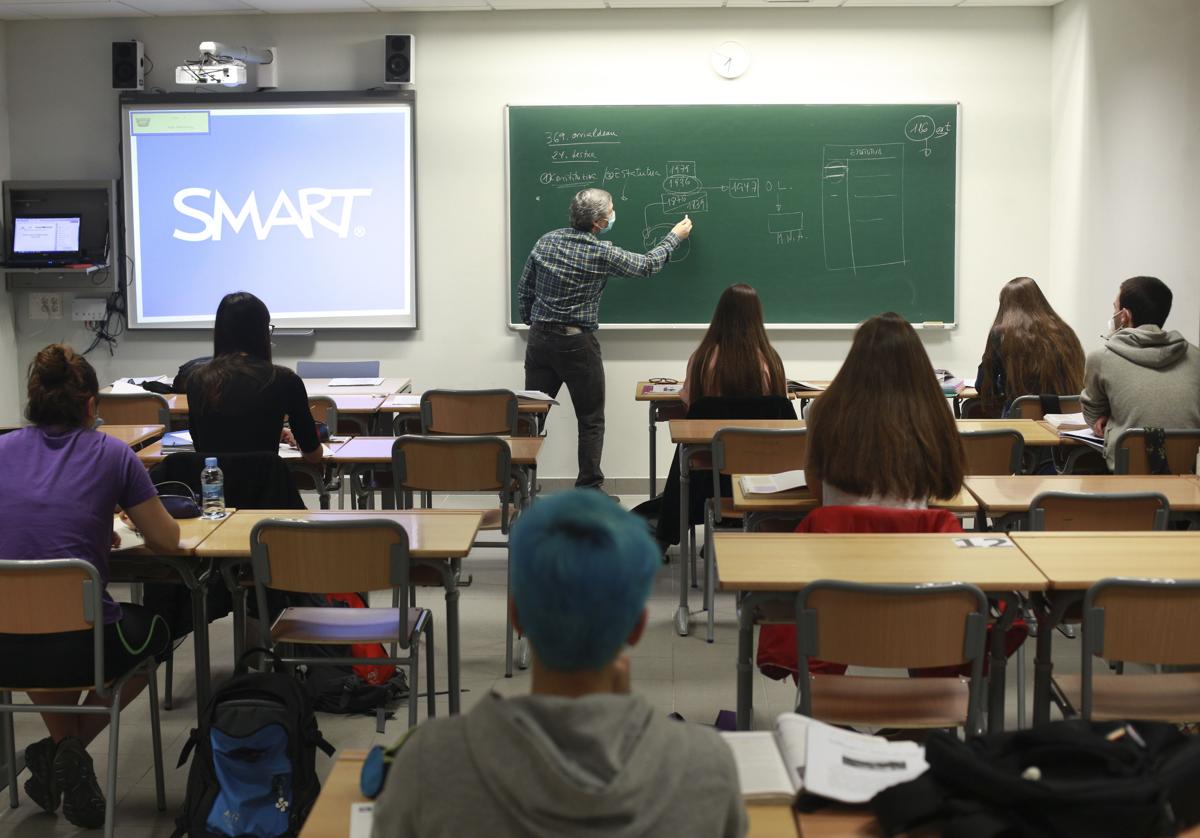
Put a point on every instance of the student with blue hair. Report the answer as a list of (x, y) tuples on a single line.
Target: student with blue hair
[(580, 755)]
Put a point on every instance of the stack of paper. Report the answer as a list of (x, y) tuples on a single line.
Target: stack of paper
[(1066, 421), (287, 452), (355, 382), (535, 396), (403, 400), (769, 484), (178, 441), (1086, 436), (804, 754), (796, 386)]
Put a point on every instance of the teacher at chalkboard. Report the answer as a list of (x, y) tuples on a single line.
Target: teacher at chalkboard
[(559, 295)]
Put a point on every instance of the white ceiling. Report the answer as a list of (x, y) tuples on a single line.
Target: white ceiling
[(58, 9)]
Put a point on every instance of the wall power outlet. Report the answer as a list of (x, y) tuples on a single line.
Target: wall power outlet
[(87, 309)]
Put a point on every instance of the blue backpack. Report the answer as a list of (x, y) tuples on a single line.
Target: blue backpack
[(254, 766)]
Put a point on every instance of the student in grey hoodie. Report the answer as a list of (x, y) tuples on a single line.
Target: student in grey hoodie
[(1144, 376), (580, 756)]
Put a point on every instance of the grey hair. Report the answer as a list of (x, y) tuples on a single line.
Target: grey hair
[(589, 206)]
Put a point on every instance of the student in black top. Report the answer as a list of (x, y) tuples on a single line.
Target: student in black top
[(237, 401)]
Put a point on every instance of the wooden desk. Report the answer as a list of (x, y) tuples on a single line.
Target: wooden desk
[(1073, 562), (377, 450), (154, 453), (1008, 494), (438, 538), (321, 387), (802, 500), (701, 431), (774, 567), (330, 816), (133, 435), (1033, 432)]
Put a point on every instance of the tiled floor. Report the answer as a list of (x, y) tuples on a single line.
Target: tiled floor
[(682, 674)]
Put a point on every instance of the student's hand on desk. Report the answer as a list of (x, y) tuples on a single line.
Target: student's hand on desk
[(116, 540), (683, 229), (1098, 428), (287, 438)]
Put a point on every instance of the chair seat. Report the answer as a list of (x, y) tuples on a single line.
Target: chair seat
[(343, 625), (890, 702), (1169, 697)]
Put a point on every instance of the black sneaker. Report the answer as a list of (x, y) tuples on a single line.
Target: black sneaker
[(83, 801), (41, 787)]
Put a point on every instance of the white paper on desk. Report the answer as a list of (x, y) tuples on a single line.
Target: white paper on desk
[(666, 389), (362, 815), (1066, 421), (287, 452), (762, 773), (124, 387), (132, 384), (177, 439), (853, 768), (355, 382), (130, 538), (403, 400), (804, 385), (535, 396), (769, 484), (983, 541)]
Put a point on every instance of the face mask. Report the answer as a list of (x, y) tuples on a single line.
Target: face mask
[(612, 219), (1111, 327)]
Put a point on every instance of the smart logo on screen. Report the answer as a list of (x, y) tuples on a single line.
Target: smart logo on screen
[(308, 209)]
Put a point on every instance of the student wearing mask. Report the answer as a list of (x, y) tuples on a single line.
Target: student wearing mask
[(581, 755), (63, 480), (1030, 350), (1143, 376)]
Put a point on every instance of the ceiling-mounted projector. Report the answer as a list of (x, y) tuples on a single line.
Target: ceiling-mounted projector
[(226, 65)]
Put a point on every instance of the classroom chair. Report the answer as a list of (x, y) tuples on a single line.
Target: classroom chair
[(428, 464), (469, 412), (1181, 447), (320, 478), (892, 626), (60, 595), (994, 452), (1036, 407), (310, 557), (337, 369), (133, 409), (1145, 620), (743, 451), (1094, 512)]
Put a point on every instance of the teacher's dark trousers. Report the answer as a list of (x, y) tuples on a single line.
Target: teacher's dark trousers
[(554, 358)]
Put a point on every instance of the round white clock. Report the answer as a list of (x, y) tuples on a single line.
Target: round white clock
[(730, 59)]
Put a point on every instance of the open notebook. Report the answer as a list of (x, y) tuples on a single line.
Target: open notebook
[(803, 754), (769, 484)]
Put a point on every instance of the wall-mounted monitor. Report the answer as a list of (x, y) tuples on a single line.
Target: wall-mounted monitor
[(305, 200)]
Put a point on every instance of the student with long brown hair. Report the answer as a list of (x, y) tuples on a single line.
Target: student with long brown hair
[(735, 358), (882, 433), (1030, 350)]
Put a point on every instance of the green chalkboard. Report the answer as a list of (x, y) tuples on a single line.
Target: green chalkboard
[(833, 212)]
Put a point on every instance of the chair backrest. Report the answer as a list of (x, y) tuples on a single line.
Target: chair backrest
[(993, 452), (1181, 445), (48, 596), (324, 409), (891, 626), (337, 369), (133, 409), (1140, 620), (452, 464), (756, 451), (1088, 512), (469, 412), (1030, 407)]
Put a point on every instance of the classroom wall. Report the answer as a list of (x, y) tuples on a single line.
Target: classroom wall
[(10, 408), (1125, 137), (469, 65)]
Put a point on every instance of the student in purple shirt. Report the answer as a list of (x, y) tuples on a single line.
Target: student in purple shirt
[(62, 482)]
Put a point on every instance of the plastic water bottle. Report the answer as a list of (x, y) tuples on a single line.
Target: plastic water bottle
[(212, 489)]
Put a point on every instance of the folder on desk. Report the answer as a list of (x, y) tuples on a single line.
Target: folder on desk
[(769, 484)]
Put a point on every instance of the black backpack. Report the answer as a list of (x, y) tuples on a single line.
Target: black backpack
[(254, 766), (1068, 778)]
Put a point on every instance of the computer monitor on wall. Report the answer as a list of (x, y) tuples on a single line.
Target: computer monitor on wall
[(304, 199)]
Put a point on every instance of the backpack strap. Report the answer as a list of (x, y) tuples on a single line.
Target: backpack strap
[(1156, 450), (322, 743), (1050, 403), (188, 746)]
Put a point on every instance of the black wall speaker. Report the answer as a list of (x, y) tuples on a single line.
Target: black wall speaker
[(127, 65), (398, 59)]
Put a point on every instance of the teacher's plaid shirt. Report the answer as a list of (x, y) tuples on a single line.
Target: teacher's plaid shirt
[(568, 269)]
